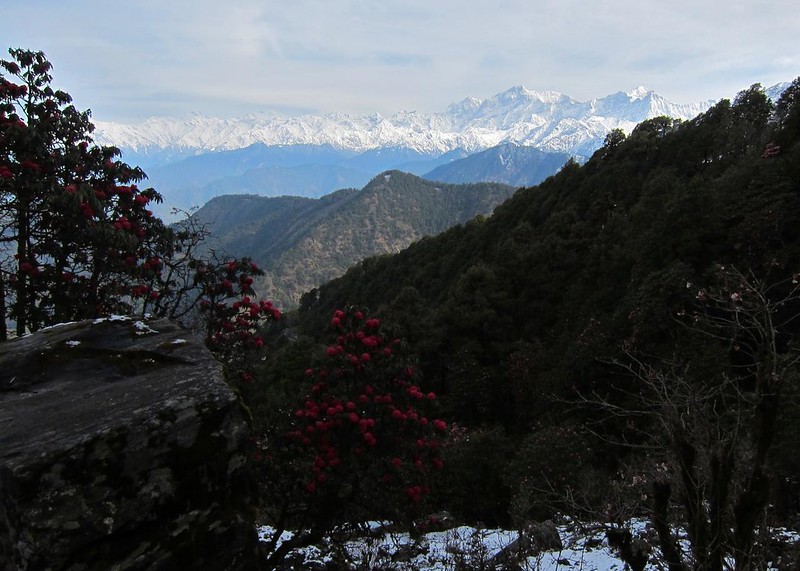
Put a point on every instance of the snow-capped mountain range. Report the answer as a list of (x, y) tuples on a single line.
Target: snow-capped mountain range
[(193, 159), (549, 121)]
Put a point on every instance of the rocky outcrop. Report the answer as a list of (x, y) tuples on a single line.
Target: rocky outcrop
[(121, 447)]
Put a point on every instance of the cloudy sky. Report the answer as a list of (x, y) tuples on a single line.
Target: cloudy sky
[(130, 60)]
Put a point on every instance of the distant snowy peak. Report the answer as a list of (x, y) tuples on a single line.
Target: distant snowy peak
[(777, 90), (639, 93), (548, 120)]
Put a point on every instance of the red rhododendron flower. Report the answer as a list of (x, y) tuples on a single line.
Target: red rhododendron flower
[(86, 209), (368, 400)]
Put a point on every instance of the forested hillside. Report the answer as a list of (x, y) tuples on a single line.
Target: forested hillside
[(546, 318), (304, 242)]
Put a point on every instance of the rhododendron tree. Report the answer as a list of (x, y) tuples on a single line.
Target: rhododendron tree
[(77, 237), (232, 317), (75, 230), (364, 442)]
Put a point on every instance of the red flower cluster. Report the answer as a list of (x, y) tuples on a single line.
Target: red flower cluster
[(86, 209), (87, 217), (29, 268), (12, 90), (233, 317), (364, 416)]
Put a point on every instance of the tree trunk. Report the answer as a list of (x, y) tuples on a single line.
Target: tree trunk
[(3, 313), (721, 474), (669, 549), (22, 302)]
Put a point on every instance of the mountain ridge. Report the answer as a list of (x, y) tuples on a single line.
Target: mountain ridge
[(303, 242), (507, 163), (548, 120)]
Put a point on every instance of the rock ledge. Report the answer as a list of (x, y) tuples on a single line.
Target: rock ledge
[(121, 447)]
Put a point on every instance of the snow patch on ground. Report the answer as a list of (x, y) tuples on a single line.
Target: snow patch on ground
[(464, 547), (584, 548)]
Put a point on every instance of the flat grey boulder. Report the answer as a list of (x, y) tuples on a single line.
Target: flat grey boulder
[(121, 447)]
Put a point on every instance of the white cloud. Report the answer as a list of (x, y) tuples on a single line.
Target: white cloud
[(140, 58)]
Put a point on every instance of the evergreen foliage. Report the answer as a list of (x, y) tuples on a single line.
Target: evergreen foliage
[(515, 314)]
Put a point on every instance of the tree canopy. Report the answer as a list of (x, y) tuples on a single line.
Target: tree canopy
[(75, 229)]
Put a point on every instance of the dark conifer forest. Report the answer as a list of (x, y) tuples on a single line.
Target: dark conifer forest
[(610, 338)]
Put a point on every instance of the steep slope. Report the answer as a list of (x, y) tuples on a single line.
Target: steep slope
[(596, 258), (508, 163), (301, 243)]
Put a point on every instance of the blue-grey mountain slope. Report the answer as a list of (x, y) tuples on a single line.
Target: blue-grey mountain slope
[(508, 163)]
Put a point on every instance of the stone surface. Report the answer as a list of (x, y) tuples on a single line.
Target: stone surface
[(121, 447)]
